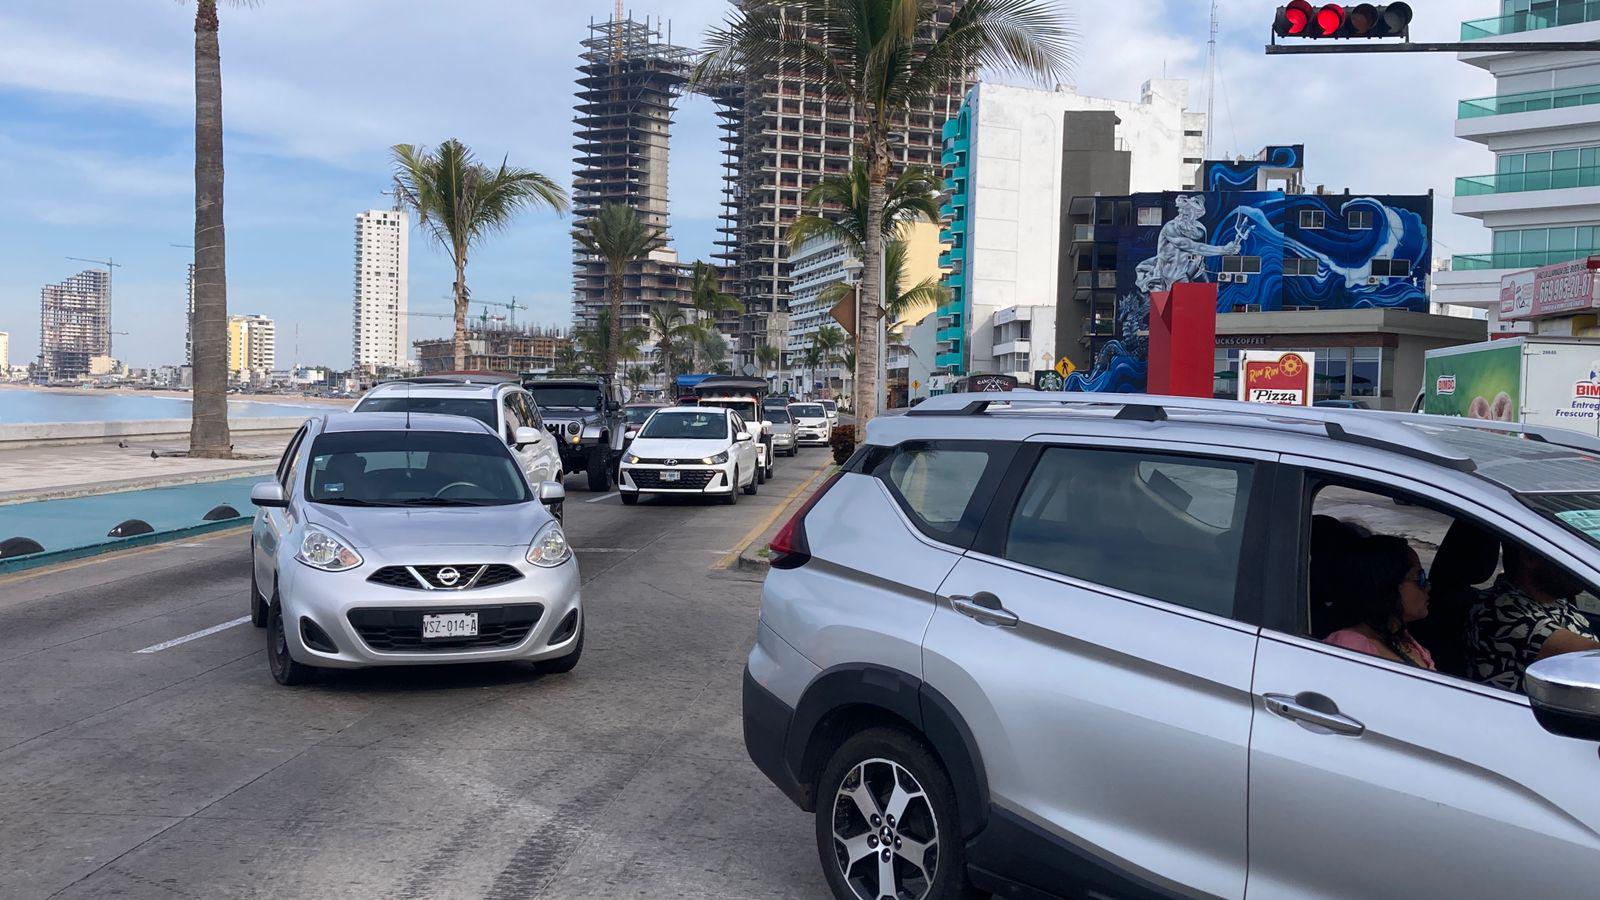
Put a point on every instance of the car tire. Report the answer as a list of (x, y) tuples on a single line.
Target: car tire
[(886, 760), (733, 495), (285, 670), (629, 499), (258, 603), (755, 483), (761, 475), (563, 664), (599, 469)]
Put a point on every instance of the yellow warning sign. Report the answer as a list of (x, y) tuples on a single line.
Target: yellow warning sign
[(1065, 367)]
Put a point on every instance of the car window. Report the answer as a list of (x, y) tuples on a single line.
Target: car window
[(778, 416), (943, 486), (476, 408), (512, 416), (527, 409), (708, 425), (808, 410), (569, 397), (406, 467), (290, 456), (636, 415), (1125, 520)]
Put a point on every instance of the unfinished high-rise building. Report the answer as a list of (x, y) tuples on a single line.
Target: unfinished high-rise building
[(781, 135), (629, 82), (74, 323)]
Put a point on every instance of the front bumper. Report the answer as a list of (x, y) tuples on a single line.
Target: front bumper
[(812, 435), (326, 599), (645, 479)]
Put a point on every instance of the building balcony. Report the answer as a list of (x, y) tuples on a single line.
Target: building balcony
[(1007, 348), (950, 360), (952, 256), (950, 129), (955, 280), (1529, 101), (1515, 182), (1083, 234), (951, 334), (902, 361), (1572, 12), (1471, 262)]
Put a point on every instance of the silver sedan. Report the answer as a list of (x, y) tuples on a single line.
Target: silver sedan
[(395, 539)]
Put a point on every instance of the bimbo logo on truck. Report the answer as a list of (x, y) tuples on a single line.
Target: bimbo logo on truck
[(1445, 385)]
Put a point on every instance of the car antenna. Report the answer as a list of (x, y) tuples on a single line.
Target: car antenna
[(408, 406)]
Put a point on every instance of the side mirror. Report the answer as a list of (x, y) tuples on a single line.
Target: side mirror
[(551, 492), (526, 435), (1565, 693), (268, 494), (742, 436)]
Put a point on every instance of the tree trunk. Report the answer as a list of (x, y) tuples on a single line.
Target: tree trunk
[(461, 313), (870, 308), (614, 336), (208, 429)]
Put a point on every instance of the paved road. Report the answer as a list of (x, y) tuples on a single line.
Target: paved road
[(188, 773)]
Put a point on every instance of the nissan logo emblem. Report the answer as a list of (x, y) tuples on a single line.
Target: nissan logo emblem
[(448, 576)]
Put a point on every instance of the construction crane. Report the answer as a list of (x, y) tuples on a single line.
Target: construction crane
[(109, 264)]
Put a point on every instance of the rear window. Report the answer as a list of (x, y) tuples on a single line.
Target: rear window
[(779, 416), (829, 405), (482, 410), (808, 410), (637, 414)]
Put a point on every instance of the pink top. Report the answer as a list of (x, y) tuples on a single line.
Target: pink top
[(1351, 639)]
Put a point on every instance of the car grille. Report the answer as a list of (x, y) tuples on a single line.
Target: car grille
[(688, 479), (400, 630), (468, 575)]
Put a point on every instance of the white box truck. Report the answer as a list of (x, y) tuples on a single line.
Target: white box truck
[(1534, 379)]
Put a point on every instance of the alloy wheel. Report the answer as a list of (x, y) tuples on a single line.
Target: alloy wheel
[(885, 833)]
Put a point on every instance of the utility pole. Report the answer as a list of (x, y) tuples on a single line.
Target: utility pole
[(110, 265)]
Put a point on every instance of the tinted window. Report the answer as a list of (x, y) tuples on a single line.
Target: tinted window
[(1161, 526), (482, 410), (779, 416), (570, 397), (829, 405), (706, 426), (942, 485), (637, 414), (527, 409), (412, 468), (808, 410)]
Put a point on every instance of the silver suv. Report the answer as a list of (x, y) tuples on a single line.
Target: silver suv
[(1073, 646)]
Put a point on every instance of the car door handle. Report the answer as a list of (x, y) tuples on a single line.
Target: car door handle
[(1313, 709), (984, 607)]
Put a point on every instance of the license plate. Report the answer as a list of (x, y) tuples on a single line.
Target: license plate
[(450, 625), (670, 476)]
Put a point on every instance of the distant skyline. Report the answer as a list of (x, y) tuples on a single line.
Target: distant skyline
[(96, 109)]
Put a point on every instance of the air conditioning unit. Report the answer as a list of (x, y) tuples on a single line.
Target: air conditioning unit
[(1252, 307), (1240, 278), (1224, 277), (1374, 279)]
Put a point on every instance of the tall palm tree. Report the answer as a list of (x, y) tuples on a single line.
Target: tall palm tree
[(599, 342), (707, 299), (829, 338), (913, 196), (460, 201), (768, 357), (636, 376), (880, 57), (208, 424), (812, 358), (568, 359), (619, 235), (674, 337)]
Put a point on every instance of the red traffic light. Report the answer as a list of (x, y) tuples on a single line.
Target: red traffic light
[(1329, 19), (1299, 18), (1294, 20)]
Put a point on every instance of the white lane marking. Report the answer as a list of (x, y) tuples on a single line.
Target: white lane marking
[(157, 648), (603, 497)]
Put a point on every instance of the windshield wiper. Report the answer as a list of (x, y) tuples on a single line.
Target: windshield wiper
[(443, 501), (346, 501)]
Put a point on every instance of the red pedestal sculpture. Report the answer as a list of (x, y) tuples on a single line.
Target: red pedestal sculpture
[(1183, 341)]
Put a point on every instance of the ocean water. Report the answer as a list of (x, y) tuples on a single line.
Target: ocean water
[(70, 405)]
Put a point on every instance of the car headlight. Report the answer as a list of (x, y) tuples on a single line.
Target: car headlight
[(322, 550), (573, 428), (549, 547), (632, 458), (717, 460)]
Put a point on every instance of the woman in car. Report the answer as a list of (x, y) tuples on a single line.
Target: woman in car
[(1382, 588)]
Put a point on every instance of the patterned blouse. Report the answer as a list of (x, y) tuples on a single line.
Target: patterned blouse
[(1509, 628)]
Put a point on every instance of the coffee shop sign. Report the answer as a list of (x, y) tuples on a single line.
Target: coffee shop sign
[(1563, 289)]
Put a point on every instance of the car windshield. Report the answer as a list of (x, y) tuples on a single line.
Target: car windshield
[(1578, 512), (482, 410), (413, 468), (808, 410), (780, 416), (637, 414), (696, 426), (553, 396), (744, 408)]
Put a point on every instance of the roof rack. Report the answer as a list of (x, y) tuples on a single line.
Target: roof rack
[(1362, 427)]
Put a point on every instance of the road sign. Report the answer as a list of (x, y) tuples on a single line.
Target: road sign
[(1065, 367)]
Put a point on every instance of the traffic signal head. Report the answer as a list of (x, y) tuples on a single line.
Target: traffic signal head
[(1294, 20), (1338, 20)]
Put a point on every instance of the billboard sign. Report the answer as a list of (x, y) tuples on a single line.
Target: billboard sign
[(1563, 289), (1279, 377), (1484, 383)]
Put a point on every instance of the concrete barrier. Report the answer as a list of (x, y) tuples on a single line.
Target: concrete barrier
[(39, 434)]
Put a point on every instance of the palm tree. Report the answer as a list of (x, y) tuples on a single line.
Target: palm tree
[(913, 196), (829, 338), (599, 343), (881, 57), (568, 359), (460, 200), (619, 235), (812, 358), (208, 424), (768, 357), (636, 376), (707, 298), (897, 298), (674, 335)]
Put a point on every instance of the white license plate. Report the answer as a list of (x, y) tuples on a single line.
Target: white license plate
[(450, 625), (669, 476)]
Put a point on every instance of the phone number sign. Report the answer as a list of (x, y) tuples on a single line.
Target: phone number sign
[(1282, 378)]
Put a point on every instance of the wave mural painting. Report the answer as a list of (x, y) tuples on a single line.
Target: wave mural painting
[(1267, 250)]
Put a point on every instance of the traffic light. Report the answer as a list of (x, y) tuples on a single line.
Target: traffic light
[(1300, 18)]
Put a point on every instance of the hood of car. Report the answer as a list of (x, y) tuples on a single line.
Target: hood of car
[(565, 414), (388, 527), (673, 448), (811, 420)]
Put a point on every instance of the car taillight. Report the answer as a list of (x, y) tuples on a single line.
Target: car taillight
[(789, 548)]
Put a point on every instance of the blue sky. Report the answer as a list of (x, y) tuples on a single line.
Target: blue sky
[(96, 138)]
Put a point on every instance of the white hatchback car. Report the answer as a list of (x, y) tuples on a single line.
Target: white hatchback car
[(691, 450), (811, 423)]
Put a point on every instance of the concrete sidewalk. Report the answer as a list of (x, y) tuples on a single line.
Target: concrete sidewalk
[(48, 473)]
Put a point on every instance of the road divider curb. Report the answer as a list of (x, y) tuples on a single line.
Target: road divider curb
[(745, 554)]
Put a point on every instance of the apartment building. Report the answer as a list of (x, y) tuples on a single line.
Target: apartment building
[(1541, 201), (252, 347), (378, 332), (781, 136), (1009, 158), (74, 323)]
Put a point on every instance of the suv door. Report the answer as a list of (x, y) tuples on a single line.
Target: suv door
[(1416, 783), (1097, 641)]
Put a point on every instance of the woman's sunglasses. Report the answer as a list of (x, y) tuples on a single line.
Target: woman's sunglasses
[(1422, 579)]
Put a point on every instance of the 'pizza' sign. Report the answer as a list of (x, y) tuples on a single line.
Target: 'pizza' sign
[(1283, 378)]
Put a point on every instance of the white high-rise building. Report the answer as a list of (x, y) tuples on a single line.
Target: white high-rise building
[(1541, 198), (378, 333), (5, 353)]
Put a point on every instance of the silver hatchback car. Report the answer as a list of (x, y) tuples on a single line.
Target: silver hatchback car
[(1100, 645), (409, 539)]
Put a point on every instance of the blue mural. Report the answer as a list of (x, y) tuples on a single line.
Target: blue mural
[(1366, 252), (1245, 175)]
